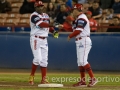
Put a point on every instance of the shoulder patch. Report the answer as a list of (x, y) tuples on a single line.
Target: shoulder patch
[(81, 23), (37, 18)]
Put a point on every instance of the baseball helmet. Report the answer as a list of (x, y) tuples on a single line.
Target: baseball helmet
[(78, 6), (38, 3)]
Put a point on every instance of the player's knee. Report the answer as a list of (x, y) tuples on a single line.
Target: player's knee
[(82, 63), (36, 61), (43, 64)]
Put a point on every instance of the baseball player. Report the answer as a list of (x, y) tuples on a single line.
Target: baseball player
[(40, 27), (81, 32)]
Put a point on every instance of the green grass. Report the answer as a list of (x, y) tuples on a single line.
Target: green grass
[(19, 81)]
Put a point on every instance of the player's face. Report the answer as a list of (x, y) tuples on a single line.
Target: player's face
[(40, 9), (75, 11), (88, 16)]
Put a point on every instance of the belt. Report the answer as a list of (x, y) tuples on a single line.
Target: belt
[(40, 37), (80, 38)]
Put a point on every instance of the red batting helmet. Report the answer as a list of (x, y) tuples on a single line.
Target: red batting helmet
[(78, 6), (38, 3)]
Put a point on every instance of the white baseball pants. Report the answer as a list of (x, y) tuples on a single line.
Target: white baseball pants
[(83, 47), (40, 51)]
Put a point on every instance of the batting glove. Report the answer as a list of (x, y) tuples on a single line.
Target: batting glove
[(55, 34)]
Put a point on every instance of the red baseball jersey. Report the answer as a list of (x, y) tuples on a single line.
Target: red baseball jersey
[(67, 27), (93, 24)]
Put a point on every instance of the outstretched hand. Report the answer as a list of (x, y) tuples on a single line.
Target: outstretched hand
[(55, 34), (60, 26), (68, 38)]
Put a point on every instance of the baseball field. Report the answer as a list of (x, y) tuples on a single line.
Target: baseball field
[(14, 79)]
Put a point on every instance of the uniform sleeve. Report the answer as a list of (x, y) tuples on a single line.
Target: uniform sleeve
[(75, 33), (80, 24), (39, 21), (36, 20)]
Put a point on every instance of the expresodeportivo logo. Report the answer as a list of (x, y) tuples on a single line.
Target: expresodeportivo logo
[(87, 79)]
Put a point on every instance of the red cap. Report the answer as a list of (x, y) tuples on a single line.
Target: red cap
[(89, 12), (70, 18), (78, 6), (38, 3)]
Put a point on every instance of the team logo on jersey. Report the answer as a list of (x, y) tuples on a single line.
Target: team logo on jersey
[(46, 16), (81, 45), (80, 23), (37, 18)]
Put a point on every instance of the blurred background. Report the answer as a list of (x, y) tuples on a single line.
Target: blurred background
[(104, 15)]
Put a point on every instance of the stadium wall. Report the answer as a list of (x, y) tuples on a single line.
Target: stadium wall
[(15, 52)]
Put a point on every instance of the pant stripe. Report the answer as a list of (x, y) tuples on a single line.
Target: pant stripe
[(84, 52), (35, 44)]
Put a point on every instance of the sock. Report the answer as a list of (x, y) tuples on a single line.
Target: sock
[(87, 67), (34, 67), (43, 72), (82, 73)]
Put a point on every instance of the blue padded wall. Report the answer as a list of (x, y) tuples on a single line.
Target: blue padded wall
[(15, 52)]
